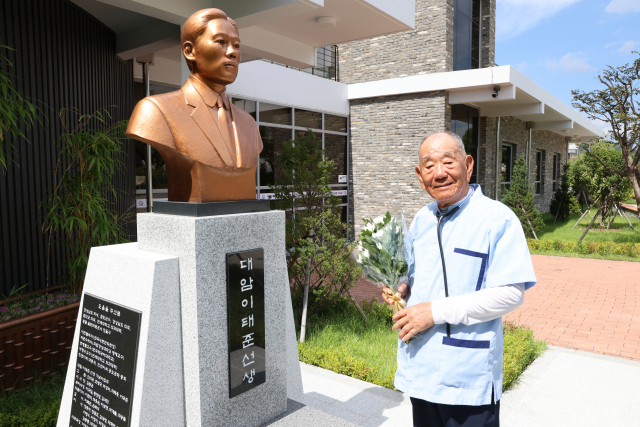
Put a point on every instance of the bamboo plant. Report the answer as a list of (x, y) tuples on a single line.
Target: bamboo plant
[(79, 205)]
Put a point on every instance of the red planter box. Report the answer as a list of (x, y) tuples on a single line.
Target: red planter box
[(36, 344)]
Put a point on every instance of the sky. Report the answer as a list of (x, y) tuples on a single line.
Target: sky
[(563, 44)]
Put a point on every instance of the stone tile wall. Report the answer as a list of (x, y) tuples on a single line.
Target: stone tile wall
[(514, 131), (385, 135), (427, 49), (488, 43)]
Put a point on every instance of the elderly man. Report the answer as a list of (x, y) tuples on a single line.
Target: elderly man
[(469, 265)]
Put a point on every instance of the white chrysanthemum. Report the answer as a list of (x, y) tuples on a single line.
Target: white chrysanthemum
[(365, 253), (378, 220), (379, 246), (370, 227)]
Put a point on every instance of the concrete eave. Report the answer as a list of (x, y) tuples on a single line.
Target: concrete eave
[(284, 31), (518, 97)]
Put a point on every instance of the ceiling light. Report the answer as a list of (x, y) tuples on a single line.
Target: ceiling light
[(327, 21)]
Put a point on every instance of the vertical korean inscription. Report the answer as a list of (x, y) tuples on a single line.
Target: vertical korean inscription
[(105, 367), (245, 319)]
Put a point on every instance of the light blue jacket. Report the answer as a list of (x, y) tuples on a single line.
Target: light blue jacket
[(484, 247)]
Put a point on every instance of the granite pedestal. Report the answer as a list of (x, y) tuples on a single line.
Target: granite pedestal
[(201, 244), (175, 276), (149, 283)]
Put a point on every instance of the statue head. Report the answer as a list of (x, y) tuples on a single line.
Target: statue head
[(211, 46)]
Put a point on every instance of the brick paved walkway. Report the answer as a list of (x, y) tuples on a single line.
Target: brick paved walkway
[(584, 304)]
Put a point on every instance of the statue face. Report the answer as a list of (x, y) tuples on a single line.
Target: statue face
[(217, 53)]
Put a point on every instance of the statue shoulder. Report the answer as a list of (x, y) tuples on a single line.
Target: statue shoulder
[(242, 115), (148, 124)]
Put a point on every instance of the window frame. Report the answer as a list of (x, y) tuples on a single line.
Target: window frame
[(264, 190), (475, 28), (504, 185), (539, 173), (555, 177)]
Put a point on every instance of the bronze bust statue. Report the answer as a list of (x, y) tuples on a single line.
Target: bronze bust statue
[(210, 146)]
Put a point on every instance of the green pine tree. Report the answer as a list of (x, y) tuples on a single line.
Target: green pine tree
[(564, 202), (519, 198)]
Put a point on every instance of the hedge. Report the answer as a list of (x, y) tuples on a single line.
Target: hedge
[(602, 248)]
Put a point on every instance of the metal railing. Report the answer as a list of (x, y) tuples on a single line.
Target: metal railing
[(327, 60)]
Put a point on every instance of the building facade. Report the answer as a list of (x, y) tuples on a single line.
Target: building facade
[(449, 36), (370, 78)]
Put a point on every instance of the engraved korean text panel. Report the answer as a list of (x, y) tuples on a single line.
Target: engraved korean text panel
[(245, 317), (105, 368)]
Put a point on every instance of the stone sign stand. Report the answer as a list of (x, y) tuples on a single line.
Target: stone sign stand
[(149, 283), (176, 277)]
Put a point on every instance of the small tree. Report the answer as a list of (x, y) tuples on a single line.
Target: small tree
[(519, 198), (618, 105), (315, 234), (598, 171), (564, 202)]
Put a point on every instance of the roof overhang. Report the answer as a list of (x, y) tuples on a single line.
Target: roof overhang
[(285, 31), (518, 97)]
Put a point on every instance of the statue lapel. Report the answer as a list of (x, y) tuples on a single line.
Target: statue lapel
[(209, 126)]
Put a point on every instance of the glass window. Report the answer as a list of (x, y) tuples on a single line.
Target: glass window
[(466, 34), (555, 171), (464, 123), (246, 105), (335, 148), (277, 114), (308, 119), (159, 179), (507, 166), (335, 123), (538, 180), (273, 139)]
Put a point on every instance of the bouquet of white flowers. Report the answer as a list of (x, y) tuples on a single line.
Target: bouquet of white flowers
[(381, 255)]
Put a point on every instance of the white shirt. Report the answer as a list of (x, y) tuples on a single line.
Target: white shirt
[(481, 306)]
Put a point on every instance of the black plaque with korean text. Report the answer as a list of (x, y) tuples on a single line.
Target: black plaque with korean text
[(245, 318), (105, 368)]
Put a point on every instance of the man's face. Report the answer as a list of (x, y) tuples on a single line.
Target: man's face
[(217, 53), (443, 171)]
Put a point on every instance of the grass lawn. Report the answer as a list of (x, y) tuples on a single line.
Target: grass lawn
[(619, 232), (34, 406), (340, 341)]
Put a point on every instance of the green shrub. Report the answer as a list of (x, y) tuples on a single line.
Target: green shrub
[(520, 349), (585, 248), (44, 415), (519, 198)]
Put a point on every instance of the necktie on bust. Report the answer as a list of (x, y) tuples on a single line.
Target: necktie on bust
[(226, 125)]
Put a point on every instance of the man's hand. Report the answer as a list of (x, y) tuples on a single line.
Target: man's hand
[(403, 288), (412, 320)]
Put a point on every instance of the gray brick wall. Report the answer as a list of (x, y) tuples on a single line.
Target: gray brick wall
[(427, 49), (488, 43), (385, 134), (514, 132)]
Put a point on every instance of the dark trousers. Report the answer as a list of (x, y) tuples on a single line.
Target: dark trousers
[(427, 414)]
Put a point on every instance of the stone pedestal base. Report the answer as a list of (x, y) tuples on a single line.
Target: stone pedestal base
[(149, 283), (176, 277)]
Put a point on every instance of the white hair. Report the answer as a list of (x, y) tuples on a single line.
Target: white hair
[(456, 138)]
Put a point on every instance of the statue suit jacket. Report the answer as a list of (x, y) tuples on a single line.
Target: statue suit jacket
[(201, 165)]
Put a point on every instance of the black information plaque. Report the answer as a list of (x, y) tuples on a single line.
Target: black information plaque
[(245, 319), (105, 368)]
